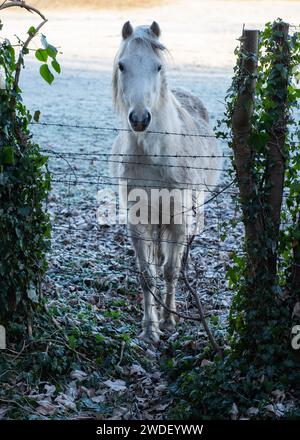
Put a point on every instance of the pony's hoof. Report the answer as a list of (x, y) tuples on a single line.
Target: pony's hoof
[(151, 335), (168, 324)]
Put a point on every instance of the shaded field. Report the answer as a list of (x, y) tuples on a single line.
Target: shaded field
[(101, 4)]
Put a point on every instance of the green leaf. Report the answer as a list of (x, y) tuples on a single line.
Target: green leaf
[(41, 55), (31, 30), (37, 115), (46, 74), (56, 66), (8, 155), (52, 51)]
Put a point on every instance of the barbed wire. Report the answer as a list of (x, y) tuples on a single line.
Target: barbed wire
[(155, 240), (72, 177), (118, 184), (135, 179), (98, 154), (119, 129), (187, 167)]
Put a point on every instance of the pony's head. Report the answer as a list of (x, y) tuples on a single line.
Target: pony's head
[(139, 75)]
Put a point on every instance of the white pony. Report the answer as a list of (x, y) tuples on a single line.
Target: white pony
[(148, 160)]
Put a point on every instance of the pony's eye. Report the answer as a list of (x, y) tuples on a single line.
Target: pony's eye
[(159, 68), (121, 67)]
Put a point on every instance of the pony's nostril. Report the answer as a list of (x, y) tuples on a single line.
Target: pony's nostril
[(139, 121), (147, 119), (131, 117)]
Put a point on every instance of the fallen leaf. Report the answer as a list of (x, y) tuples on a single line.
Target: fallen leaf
[(78, 375), (206, 363), (296, 310), (160, 388), (279, 395), (37, 397), (160, 407), (116, 385), (72, 389), (277, 409), (252, 411), (50, 390), (90, 392), (137, 369), (46, 407), (66, 401), (98, 399), (151, 354), (234, 411), (3, 411)]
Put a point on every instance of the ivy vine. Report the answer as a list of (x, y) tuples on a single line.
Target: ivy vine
[(24, 181)]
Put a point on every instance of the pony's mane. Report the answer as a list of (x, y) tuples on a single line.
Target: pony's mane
[(143, 35)]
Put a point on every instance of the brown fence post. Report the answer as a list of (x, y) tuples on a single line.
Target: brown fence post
[(241, 126), (277, 132)]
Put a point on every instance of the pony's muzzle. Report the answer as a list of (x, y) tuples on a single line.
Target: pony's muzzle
[(139, 121)]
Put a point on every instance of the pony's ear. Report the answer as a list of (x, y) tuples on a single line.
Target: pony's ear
[(155, 29), (127, 30)]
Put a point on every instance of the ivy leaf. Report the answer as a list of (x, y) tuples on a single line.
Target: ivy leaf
[(8, 155), (46, 74), (31, 293), (41, 55), (37, 115), (56, 66)]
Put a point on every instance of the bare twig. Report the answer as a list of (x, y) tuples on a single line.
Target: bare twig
[(199, 306), (122, 353), (201, 317), (21, 4), (174, 312), (210, 336), (14, 402), (55, 322)]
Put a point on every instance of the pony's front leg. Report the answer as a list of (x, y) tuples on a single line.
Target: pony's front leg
[(173, 245), (146, 254)]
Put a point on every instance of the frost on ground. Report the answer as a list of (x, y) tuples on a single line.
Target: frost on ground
[(91, 287)]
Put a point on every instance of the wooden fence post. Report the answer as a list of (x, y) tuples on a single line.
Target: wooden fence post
[(275, 147), (260, 171), (241, 126)]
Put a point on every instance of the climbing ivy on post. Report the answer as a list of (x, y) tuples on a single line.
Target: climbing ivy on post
[(260, 118), (262, 128), (24, 180)]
